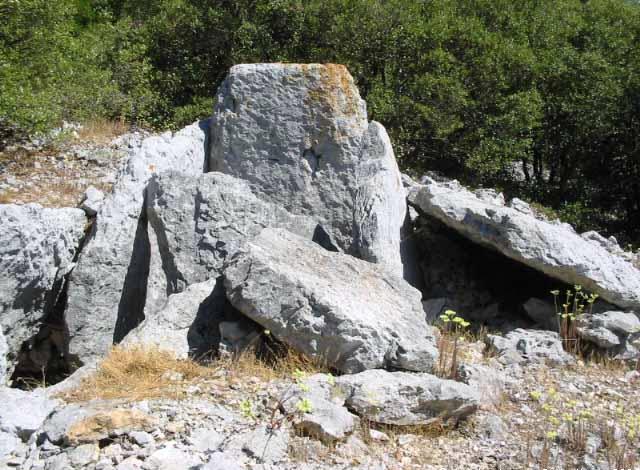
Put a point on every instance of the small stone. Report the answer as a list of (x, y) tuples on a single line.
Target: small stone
[(84, 454), (206, 440), (632, 376), (141, 438), (170, 458), (491, 427), (266, 445), (222, 461), (104, 464), (173, 376), (405, 439), (376, 435), (57, 462), (130, 463)]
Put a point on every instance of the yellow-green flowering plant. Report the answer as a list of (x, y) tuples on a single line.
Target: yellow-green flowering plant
[(454, 325)]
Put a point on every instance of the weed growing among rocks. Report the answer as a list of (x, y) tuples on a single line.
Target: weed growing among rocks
[(454, 327)]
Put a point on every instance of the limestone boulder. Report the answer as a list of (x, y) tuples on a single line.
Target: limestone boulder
[(186, 325), (404, 398), (353, 314), (197, 223), (328, 420), (38, 247), (612, 330), (529, 346), (107, 290), (548, 246), (298, 134)]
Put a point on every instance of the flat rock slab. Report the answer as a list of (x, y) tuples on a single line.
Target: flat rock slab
[(89, 423), (299, 135), (550, 247), (404, 398), (37, 249), (350, 313)]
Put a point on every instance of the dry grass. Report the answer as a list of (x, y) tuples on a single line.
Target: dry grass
[(139, 372), (281, 366), (102, 131), (43, 181)]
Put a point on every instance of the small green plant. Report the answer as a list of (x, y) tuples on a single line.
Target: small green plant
[(304, 406), (453, 328), (568, 313), (620, 439), (278, 413), (246, 408)]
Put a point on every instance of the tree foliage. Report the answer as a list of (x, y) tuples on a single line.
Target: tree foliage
[(539, 98)]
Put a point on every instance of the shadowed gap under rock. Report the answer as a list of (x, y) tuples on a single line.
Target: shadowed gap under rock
[(474, 277), (44, 358), (134, 292)]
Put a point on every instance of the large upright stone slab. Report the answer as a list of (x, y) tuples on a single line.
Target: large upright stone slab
[(108, 287), (37, 249), (550, 247), (299, 135), (353, 314)]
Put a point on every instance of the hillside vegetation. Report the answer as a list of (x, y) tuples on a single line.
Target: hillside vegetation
[(538, 98)]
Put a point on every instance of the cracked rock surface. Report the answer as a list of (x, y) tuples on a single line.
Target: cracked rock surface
[(351, 313)]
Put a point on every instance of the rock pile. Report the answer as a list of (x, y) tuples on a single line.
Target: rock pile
[(286, 212)]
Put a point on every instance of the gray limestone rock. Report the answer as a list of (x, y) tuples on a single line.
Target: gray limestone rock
[(488, 381), (550, 247), (107, 290), (206, 440), (600, 336), (22, 412), (611, 330), (521, 346), (37, 250), (622, 323), (328, 420), (197, 223), (298, 134), (93, 199), (350, 313), (222, 461), (170, 458), (84, 455), (182, 325), (266, 445), (9, 444), (404, 398)]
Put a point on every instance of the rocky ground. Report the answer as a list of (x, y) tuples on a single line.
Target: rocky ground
[(56, 170), (235, 416)]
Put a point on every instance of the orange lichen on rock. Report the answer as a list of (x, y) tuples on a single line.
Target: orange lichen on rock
[(335, 90)]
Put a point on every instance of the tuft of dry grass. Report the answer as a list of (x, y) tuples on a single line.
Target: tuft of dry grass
[(280, 366), (102, 131), (139, 372), (145, 371)]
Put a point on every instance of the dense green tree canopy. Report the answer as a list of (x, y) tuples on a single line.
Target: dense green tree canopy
[(540, 98)]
